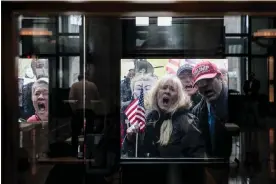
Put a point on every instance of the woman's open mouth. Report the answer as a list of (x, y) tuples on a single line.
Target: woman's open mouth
[(166, 100), (41, 106)]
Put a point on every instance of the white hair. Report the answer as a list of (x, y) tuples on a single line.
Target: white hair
[(40, 82), (183, 101)]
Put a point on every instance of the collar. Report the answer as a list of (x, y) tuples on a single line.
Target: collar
[(221, 104), (37, 117)]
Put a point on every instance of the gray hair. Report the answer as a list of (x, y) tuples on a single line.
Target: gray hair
[(38, 83)]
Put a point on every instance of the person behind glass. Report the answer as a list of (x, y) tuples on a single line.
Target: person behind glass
[(38, 69), (224, 74), (251, 87), (140, 82), (81, 96), (125, 86), (212, 112), (40, 95), (184, 73), (170, 129)]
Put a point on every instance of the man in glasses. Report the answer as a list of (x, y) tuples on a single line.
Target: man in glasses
[(212, 112)]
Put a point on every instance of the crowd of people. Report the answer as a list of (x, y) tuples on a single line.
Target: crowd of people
[(185, 114), (33, 91)]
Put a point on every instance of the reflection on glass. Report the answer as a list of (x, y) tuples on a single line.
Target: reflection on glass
[(271, 93), (271, 156), (69, 69), (234, 73), (232, 24), (33, 89), (271, 67), (70, 24), (235, 45), (69, 44), (149, 103)]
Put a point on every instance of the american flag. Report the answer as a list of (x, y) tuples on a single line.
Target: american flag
[(135, 112), (173, 65)]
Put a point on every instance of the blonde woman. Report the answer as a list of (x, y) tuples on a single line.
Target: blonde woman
[(171, 130)]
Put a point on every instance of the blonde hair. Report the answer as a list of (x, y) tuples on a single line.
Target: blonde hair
[(183, 101)]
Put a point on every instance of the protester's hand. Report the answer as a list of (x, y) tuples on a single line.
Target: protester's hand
[(132, 130)]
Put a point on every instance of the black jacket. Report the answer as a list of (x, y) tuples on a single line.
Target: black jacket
[(185, 141), (222, 146), (254, 88)]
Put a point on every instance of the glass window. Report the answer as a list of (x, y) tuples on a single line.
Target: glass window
[(69, 69), (260, 68), (44, 81), (36, 35), (236, 45), (232, 24), (234, 73), (69, 44), (182, 35), (259, 23), (70, 24)]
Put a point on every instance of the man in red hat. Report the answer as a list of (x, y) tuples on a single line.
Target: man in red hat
[(212, 112)]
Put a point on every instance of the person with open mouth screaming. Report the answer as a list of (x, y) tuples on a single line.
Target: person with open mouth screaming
[(184, 73), (40, 100), (170, 129)]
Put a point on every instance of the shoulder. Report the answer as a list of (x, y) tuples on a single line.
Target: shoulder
[(92, 84), (196, 108), (187, 121), (74, 85)]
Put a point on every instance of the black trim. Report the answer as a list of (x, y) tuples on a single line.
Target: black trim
[(53, 55), (249, 46), (69, 34), (236, 35), (174, 53), (206, 161)]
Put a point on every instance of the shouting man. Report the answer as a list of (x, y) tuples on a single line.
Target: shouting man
[(184, 73), (212, 112)]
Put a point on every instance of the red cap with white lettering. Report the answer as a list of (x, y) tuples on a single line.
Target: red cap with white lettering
[(204, 70)]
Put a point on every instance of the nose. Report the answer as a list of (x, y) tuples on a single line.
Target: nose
[(41, 96), (167, 90)]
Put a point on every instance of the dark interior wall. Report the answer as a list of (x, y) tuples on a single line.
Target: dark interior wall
[(104, 45), (259, 54)]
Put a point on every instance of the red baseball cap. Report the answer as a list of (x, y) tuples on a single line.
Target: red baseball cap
[(204, 70)]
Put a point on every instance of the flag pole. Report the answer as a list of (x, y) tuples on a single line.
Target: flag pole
[(137, 133), (136, 145)]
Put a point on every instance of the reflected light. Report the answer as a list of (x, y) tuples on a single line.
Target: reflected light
[(271, 78), (164, 21), (35, 32), (267, 33), (272, 158), (142, 21)]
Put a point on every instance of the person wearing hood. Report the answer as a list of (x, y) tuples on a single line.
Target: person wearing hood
[(184, 73)]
